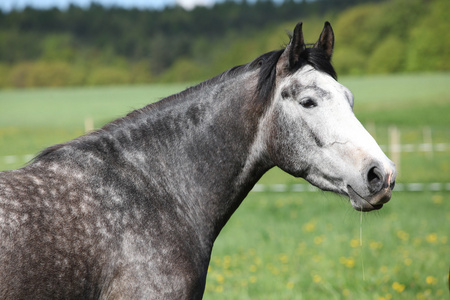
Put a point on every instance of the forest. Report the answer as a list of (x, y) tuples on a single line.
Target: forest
[(110, 45)]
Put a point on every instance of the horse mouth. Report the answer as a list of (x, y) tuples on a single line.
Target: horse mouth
[(359, 203)]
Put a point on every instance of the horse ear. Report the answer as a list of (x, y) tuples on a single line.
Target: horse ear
[(291, 54), (297, 45), (326, 40)]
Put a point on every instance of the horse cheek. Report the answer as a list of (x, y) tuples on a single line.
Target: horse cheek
[(284, 146)]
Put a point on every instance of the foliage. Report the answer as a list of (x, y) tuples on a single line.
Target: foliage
[(101, 45), (388, 57)]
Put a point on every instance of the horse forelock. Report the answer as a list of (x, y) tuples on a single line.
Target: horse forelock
[(318, 60)]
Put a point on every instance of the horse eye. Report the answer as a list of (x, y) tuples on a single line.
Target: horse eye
[(308, 103)]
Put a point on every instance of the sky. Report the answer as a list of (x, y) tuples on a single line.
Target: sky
[(8, 5)]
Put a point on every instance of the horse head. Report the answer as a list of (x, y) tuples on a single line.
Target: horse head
[(313, 133)]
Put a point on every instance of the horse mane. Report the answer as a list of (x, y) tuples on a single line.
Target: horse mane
[(266, 78), (264, 90)]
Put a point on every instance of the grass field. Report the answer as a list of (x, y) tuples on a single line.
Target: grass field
[(295, 245)]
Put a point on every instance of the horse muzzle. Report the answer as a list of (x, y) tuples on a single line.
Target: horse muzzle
[(380, 184)]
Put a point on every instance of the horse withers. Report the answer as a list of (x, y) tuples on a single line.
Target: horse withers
[(131, 211)]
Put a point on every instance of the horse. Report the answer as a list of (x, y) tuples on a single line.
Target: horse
[(132, 210)]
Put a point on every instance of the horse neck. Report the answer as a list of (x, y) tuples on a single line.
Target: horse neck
[(201, 147)]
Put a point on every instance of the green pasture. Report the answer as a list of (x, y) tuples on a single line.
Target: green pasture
[(295, 245), (308, 246)]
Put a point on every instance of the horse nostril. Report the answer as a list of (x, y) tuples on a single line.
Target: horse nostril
[(375, 179)]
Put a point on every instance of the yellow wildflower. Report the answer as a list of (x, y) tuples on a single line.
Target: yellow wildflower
[(290, 285), (348, 262), (407, 261), (354, 243), (317, 278), (309, 227), (432, 238), (437, 199), (404, 236), (319, 239), (220, 278), (375, 245), (283, 258), (431, 280), (398, 287)]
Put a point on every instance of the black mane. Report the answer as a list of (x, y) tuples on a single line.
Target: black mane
[(318, 60), (265, 87), (268, 62)]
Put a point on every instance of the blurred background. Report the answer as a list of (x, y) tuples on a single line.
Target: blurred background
[(69, 67), (78, 43)]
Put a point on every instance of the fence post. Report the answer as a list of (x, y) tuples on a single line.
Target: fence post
[(427, 141), (395, 147), (370, 127), (88, 124)]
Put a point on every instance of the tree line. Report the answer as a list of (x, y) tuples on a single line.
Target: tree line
[(111, 45)]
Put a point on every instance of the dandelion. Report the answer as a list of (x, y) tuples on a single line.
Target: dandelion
[(431, 280), (309, 227), (317, 278), (283, 258), (219, 289), (220, 278), (348, 262), (290, 285), (375, 245), (407, 261), (437, 199), (432, 238), (319, 239), (253, 279), (404, 236), (253, 268), (398, 287), (354, 243)]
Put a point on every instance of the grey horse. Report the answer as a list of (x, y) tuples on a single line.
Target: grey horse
[(131, 211)]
